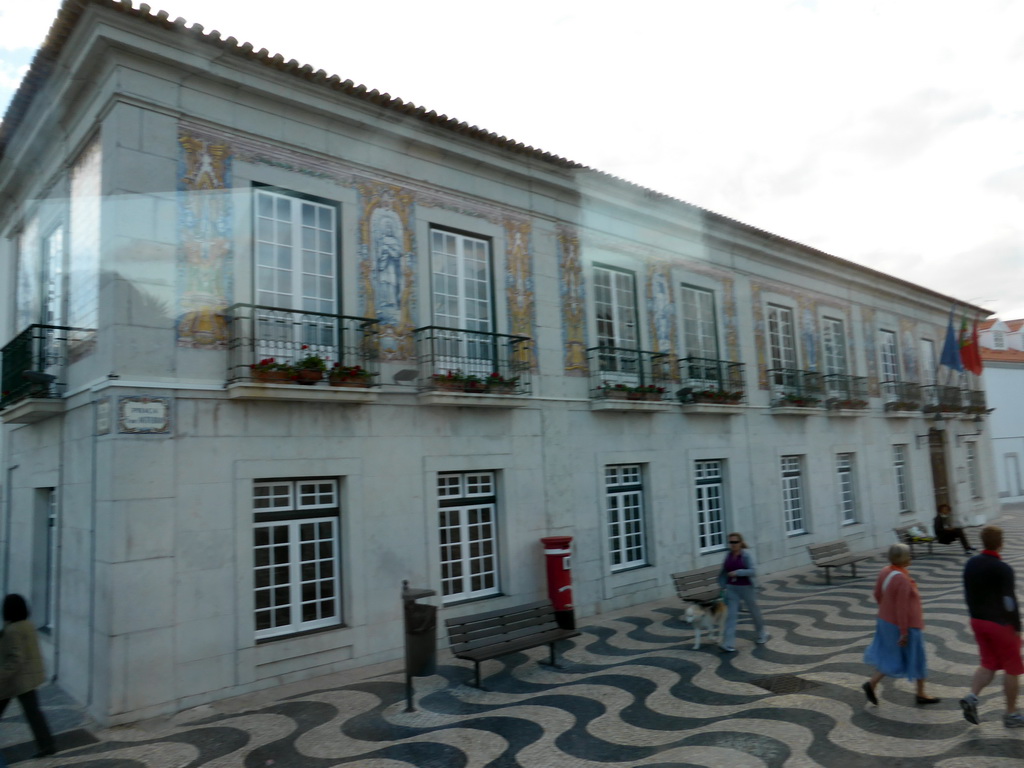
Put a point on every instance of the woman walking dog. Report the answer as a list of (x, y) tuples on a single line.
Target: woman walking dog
[(739, 579)]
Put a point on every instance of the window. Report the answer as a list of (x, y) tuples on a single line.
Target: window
[(468, 535), (296, 556), (709, 476), (44, 558), (899, 465), (781, 342), (998, 340), (834, 338), (973, 480), (928, 366), (615, 307), (847, 487), (461, 267), (700, 332), (793, 494), (625, 499), (890, 356), (296, 242)]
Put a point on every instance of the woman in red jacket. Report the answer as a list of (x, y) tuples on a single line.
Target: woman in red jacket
[(898, 648)]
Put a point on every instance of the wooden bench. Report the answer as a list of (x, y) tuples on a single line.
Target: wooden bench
[(698, 586), (904, 536), (834, 554), (481, 636)]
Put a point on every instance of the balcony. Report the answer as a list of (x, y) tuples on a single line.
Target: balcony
[(711, 386), (624, 379), (937, 398), (902, 398), (974, 402), (479, 369), (795, 392), (34, 369), (845, 395), (267, 342)]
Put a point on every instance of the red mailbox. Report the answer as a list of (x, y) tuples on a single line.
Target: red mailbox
[(557, 553)]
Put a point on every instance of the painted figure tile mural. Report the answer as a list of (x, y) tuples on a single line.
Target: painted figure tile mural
[(387, 266), (573, 295), (519, 286), (204, 242), (661, 314)]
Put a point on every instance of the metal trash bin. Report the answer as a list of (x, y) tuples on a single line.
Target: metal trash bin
[(420, 637)]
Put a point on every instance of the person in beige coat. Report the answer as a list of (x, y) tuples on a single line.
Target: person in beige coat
[(21, 669)]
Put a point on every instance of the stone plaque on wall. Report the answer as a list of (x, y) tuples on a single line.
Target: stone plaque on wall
[(144, 415)]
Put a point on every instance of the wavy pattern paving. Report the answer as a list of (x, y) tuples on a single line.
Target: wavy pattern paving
[(633, 693)]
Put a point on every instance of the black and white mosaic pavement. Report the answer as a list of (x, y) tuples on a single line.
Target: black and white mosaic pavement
[(633, 692)]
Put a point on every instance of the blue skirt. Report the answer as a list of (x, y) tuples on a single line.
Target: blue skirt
[(887, 656)]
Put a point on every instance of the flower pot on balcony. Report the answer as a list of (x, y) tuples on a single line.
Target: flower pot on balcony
[(349, 381), (501, 389), (272, 377), (308, 375)]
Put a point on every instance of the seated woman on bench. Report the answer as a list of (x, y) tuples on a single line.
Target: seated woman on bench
[(946, 532)]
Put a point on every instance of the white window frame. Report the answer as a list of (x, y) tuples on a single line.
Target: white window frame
[(624, 506), (929, 366), (900, 465), (710, 503), (295, 269), (793, 503), (781, 341), (846, 477), (889, 355), (834, 346), (296, 526), (468, 535), (700, 323), (462, 299), (617, 323)]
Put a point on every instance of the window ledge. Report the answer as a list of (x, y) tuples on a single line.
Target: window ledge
[(796, 410), (719, 409), (632, 406), (902, 414), (31, 410), (843, 412), (299, 393), (472, 399)]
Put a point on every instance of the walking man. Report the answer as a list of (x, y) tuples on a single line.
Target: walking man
[(995, 619)]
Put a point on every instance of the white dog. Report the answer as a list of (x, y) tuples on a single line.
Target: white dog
[(709, 617)]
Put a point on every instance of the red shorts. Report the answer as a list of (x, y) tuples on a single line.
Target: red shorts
[(999, 645)]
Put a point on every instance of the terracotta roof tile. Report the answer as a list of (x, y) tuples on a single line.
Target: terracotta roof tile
[(1002, 355)]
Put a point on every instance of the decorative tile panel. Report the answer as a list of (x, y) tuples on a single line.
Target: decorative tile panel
[(574, 301), (519, 287)]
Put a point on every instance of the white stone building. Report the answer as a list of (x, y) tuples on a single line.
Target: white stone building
[(175, 207), (1002, 351)]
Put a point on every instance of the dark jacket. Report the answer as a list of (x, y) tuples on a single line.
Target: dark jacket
[(989, 590)]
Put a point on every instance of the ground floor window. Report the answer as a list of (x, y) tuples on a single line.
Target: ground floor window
[(297, 574), (793, 494), (899, 466), (710, 503), (467, 519), (624, 498), (847, 487)]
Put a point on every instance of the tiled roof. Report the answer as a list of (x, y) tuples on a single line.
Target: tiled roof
[(1012, 325), (71, 10)]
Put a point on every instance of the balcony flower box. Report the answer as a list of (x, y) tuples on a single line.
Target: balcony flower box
[(798, 401), (501, 385), (647, 392), (310, 369), (269, 371), (349, 376), (728, 397), (848, 404), (903, 405)]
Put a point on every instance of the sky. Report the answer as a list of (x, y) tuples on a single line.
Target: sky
[(887, 133)]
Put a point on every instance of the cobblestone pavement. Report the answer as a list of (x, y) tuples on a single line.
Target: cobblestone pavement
[(632, 692)]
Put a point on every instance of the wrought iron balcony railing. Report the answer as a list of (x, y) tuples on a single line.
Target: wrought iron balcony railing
[(901, 395), (706, 380), (284, 337), (35, 363), (479, 362), (845, 392), (974, 401), (791, 387), (939, 398), (629, 374)]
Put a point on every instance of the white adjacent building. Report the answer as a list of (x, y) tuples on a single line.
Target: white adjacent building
[(1002, 351), (554, 352)]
